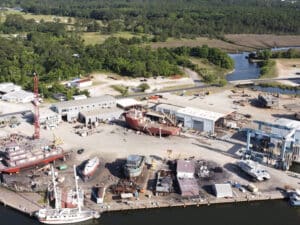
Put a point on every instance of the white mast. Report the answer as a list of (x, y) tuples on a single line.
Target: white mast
[(77, 191), (54, 189)]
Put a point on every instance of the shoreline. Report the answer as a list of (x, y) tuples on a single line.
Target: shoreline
[(29, 206)]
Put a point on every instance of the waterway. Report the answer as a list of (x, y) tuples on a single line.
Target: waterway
[(245, 70), (254, 213)]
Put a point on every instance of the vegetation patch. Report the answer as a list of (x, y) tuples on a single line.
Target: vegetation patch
[(268, 69), (123, 90)]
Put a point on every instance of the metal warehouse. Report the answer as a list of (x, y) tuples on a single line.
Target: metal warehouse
[(70, 109), (198, 119), (100, 115), (168, 109)]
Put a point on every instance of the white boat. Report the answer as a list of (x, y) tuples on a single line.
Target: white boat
[(295, 198), (254, 170), (91, 166), (60, 215)]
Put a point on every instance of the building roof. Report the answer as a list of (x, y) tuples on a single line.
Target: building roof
[(196, 112), (21, 94), (185, 166), (288, 123), (96, 112), (82, 102), (9, 87), (188, 187), (128, 102), (223, 190), (168, 107)]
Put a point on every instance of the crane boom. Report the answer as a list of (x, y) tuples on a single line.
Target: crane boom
[(36, 107)]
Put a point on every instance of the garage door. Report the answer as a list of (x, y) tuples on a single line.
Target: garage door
[(180, 120), (198, 125)]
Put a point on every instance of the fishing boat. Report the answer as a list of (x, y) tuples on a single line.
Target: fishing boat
[(253, 169), (90, 167), (60, 215), (137, 120)]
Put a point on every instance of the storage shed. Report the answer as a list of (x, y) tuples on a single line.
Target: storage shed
[(223, 190)]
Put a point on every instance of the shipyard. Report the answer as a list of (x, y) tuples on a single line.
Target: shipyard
[(89, 156), (149, 112)]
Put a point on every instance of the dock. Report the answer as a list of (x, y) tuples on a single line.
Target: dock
[(26, 203)]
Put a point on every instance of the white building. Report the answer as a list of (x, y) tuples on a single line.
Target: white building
[(79, 97), (189, 117), (9, 87), (18, 96), (223, 190), (127, 103), (48, 118), (167, 108), (198, 119), (100, 115), (81, 83), (70, 109)]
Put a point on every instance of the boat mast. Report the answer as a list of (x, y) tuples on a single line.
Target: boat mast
[(54, 189), (76, 186)]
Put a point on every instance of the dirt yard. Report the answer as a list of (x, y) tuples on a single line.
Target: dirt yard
[(103, 83)]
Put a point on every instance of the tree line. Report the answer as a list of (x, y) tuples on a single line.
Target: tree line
[(58, 55), (176, 18)]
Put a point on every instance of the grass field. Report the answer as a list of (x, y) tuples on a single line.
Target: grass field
[(263, 40), (229, 47), (47, 18), (91, 38), (211, 68)]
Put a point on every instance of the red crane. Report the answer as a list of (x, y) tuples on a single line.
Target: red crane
[(36, 134)]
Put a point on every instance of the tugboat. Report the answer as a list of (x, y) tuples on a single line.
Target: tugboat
[(90, 167), (60, 215), (137, 120), (295, 198), (253, 169)]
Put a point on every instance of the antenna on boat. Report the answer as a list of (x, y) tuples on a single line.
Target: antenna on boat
[(54, 188), (76, 186)]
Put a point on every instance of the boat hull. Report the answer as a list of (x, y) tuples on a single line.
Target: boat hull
[(17, 169), (76, 218), (151, 128)]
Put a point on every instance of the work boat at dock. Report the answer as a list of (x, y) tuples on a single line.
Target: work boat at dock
[(60, 215), (295, 198)]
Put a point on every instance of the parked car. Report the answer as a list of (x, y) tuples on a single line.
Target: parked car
[(80, 151)]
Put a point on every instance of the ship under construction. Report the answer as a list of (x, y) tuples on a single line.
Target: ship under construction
[(18, 152)]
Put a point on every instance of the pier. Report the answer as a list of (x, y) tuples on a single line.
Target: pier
[(26, 203)]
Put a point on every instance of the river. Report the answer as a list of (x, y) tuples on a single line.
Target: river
[(255, 213)]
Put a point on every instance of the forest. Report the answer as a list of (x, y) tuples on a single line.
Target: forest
[(176, 18), (57, 54)]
